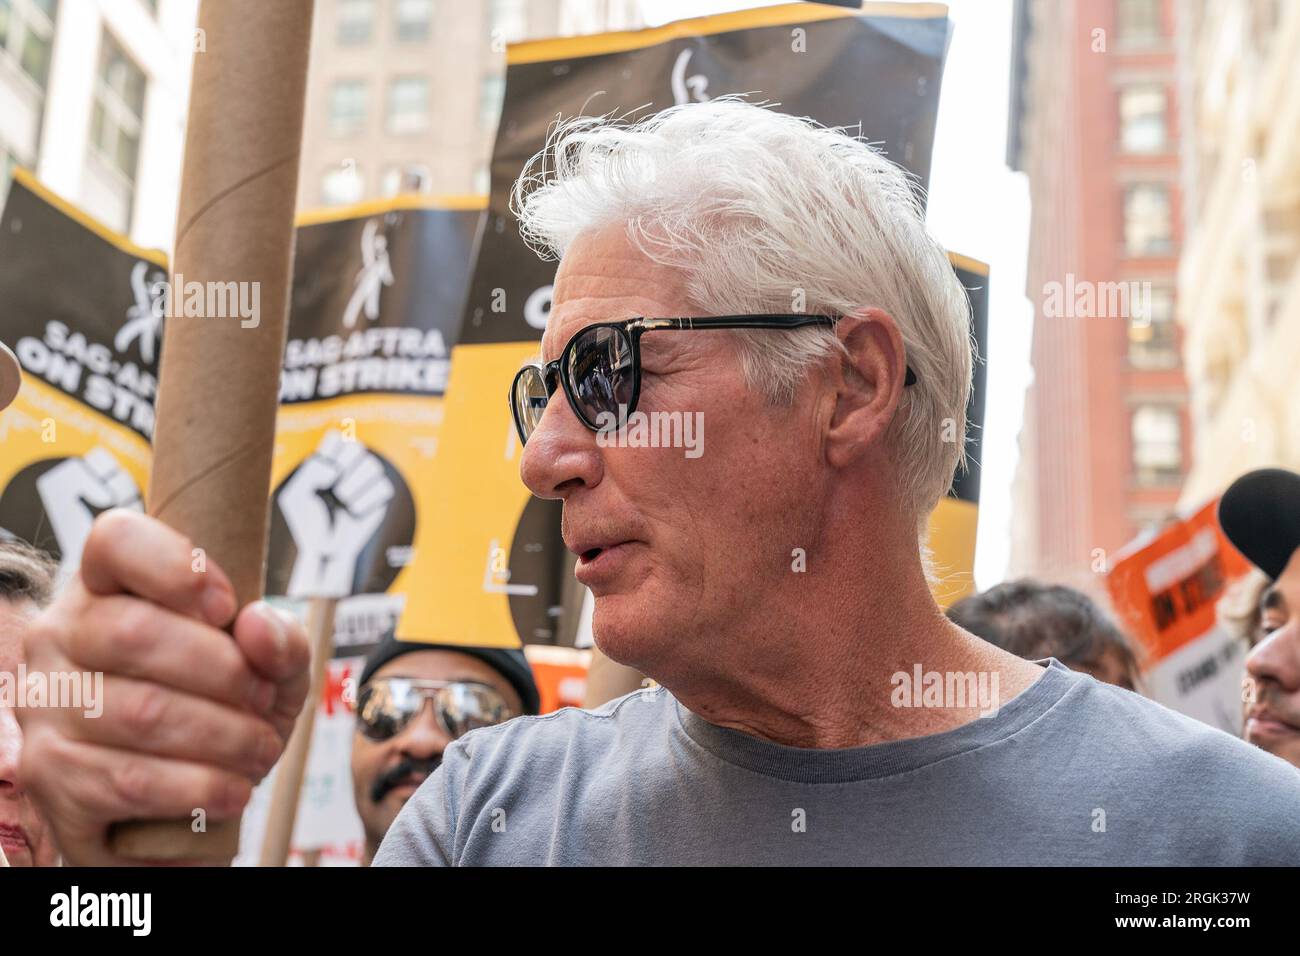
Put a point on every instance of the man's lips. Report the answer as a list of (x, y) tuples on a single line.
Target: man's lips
[(588, 547), (1262, 720), (598, 563), (588, 555), (13, 838), (409, 783)]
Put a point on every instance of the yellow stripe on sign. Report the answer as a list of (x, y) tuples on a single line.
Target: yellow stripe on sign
[(371, 207), (30, 182), (952, 549), (470, 496), (45, 422), (568, 48), (970, 265)]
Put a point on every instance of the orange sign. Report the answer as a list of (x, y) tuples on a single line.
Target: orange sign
[(1166, 590)]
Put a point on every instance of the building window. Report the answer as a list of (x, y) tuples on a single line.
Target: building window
[(1142, 119), (412, 20), (408, 105), (1138, 21), (1157, 445), (118, 112), (347, 108), (492, 94), (507, 20), (408, 178), (27, 34), (356, 20), (342, 186), (1152, 336), (1148, 227)]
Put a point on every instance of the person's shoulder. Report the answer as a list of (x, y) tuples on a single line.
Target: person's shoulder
[(619, 723), (1187, 767), (1155, 731)]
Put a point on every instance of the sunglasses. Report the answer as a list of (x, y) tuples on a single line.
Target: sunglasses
[(386, 706), (600, 368)]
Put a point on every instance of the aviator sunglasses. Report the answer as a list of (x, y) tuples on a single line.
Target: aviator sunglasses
[(600, 368), (387, 705)]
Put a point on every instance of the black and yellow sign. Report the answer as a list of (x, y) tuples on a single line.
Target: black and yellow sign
[(77, 306), (877, 70), (378, 297), (954, 520), (378, 294)]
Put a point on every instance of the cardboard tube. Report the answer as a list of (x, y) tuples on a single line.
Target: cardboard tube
[(220, 374), (288, 776)]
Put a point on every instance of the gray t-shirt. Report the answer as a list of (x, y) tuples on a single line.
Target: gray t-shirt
[(1069, 772)]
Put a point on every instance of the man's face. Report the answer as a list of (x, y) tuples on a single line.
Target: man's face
[(1273, 666), (397, 766), (23, 836), (684, 544)]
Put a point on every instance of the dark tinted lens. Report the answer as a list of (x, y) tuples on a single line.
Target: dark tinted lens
[(464, 706), (528, 398), (384, 707), (600, 373)]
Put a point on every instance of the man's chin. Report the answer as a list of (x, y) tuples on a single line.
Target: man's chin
[(626, 631), (397, 797), (18, 857)]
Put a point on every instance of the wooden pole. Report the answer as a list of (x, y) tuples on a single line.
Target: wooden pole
[(220, 374), (293, 765)]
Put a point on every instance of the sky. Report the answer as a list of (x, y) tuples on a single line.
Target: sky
[(977, 207)]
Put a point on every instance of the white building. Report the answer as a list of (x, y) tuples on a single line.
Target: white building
[(93, 95), (403, 94)]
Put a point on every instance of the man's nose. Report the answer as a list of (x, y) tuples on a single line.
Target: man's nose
[(1277, 657), (561, 455), (423, 739), (11, 751)]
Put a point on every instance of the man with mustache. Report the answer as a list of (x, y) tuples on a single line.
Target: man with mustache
[(413, 700), (1260, 514), (26, 581)]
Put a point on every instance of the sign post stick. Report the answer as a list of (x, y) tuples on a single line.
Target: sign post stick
[(293, 765)]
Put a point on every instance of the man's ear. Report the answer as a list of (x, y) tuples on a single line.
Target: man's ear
[(868, 383)]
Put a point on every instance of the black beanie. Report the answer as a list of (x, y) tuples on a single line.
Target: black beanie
[(509, 662)]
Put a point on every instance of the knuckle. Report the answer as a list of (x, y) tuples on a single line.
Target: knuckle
[(106, 530), (223, 794), (131, 631), (267, 749), (143, 710), (131, 781), (189, 582)]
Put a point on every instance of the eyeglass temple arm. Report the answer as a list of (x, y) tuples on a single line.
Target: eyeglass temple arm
[(788, 321)]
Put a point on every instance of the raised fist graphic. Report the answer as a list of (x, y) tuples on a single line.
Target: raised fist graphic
[(333, 504)]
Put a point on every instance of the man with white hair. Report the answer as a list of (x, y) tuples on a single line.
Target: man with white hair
[(776, 277), (813, 706)]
